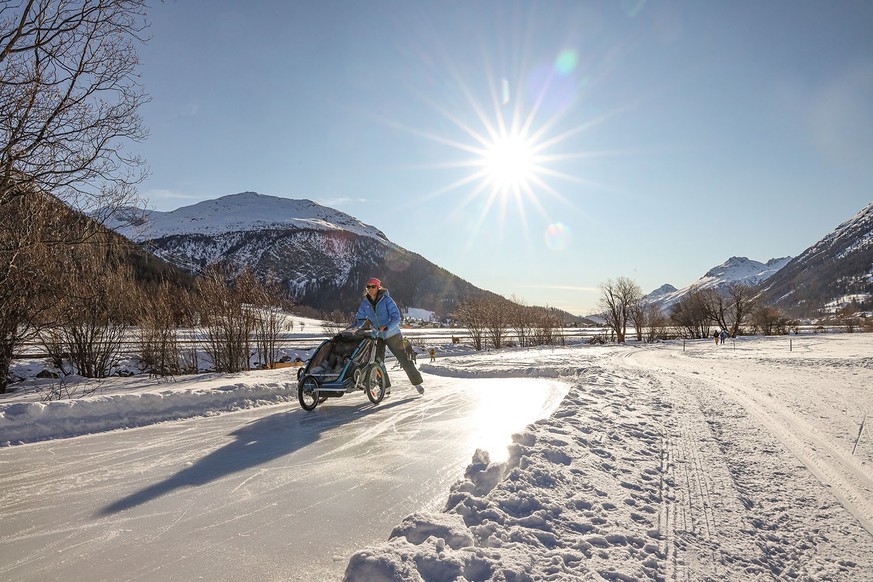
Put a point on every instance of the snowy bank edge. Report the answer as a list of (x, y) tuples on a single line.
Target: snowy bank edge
[(27, 422)]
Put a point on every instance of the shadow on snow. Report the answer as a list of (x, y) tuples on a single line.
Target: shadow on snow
[(258, 442)]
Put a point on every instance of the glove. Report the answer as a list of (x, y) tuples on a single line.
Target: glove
[(372, 334)]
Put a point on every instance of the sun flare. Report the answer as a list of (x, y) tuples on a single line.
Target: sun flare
[(516, 138)]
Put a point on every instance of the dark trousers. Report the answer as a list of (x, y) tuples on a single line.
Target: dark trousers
[(395, 344)]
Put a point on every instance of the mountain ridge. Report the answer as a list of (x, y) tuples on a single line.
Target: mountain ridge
[(322, 256), (735, 270), (833, 272)]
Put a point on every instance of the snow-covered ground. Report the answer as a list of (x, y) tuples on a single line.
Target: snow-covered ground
[(675, 461), (729, 462)]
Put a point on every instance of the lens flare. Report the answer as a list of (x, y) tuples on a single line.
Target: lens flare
[(566, 62), (557, 236)]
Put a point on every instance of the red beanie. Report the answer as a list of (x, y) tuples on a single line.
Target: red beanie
[(374, 281)]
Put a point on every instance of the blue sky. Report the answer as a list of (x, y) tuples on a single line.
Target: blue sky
[(652, 140)]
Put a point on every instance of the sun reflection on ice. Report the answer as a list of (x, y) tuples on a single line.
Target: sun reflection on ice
[(498, 414)]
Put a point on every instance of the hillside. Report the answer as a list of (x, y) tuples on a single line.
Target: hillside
[(835, 270)]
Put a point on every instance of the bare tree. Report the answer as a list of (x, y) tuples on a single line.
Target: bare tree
[(743, 302), (770, 320), (727, 308), (269, 308), (547, 327), (335, 321), (226, 323), (656, 322), (69, 99), (68, 103), (162, 316), (27, 273), (637, 317), (496, 321), (616, 299)]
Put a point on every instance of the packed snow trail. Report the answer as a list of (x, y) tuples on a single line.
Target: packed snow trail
[(273, 493), (820, 446)]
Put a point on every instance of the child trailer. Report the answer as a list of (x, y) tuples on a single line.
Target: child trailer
[(343, 364)]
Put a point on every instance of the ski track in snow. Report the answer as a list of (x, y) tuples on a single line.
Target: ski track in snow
[(729, 401)]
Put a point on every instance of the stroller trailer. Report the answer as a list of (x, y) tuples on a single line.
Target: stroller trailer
[(345, 363)]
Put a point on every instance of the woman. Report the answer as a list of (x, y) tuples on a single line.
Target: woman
[(380, 310)]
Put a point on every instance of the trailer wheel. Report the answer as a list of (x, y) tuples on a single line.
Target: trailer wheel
[(307, 393), (374, 383)]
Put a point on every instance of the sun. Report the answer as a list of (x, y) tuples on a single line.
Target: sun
[(509, 163)]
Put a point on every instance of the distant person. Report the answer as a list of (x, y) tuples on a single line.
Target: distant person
[(380, 310), (722, 336), (432, 355), (715, 336)]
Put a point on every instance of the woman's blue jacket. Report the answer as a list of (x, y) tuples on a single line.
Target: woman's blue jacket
[(384, 313)]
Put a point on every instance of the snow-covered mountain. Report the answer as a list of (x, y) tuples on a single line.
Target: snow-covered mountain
[(661, 292), (244, 212), (740, 270), (836, 270), (321, 255)]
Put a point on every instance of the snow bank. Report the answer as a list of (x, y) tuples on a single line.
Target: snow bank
[(24, 422)]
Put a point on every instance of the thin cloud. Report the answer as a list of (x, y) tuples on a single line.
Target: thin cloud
[(342, 201), (162, 197), (565, 288)]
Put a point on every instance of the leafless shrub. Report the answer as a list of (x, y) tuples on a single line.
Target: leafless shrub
[(66, 390), (90, 320), (162, 316)]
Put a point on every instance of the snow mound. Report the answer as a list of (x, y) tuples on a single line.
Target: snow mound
[(26, 422)]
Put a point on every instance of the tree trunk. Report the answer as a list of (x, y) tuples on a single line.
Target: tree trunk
[(6, 347)]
